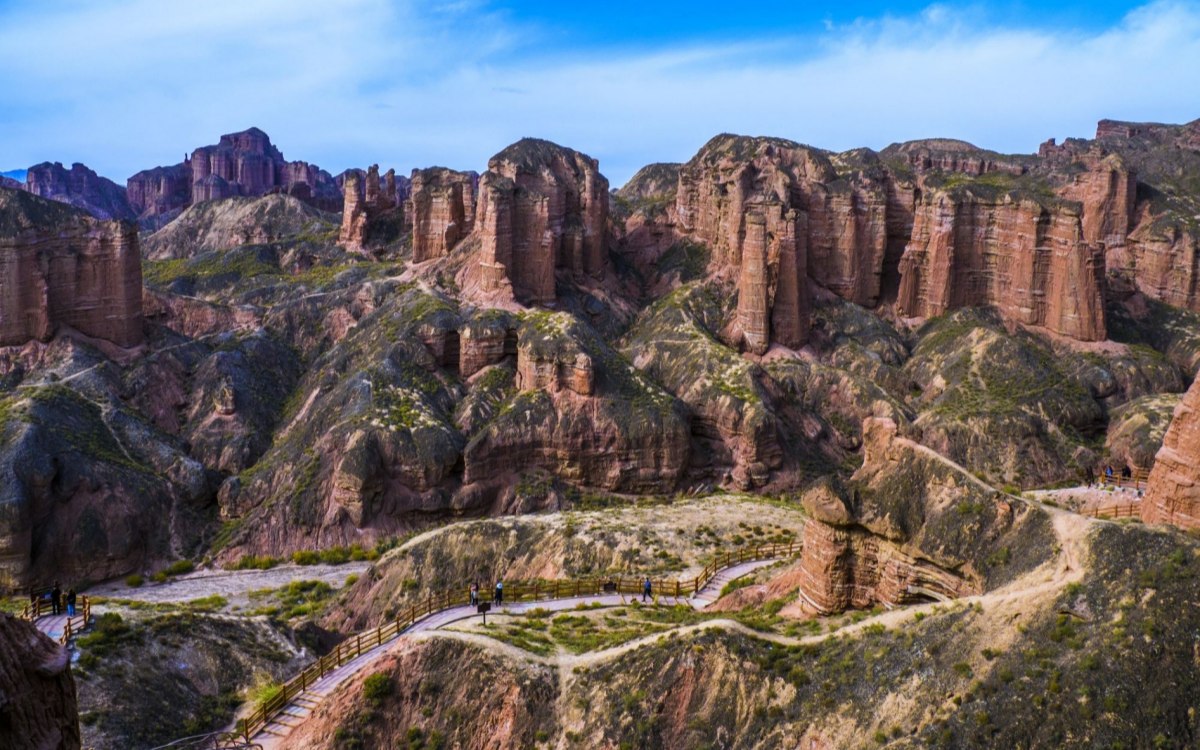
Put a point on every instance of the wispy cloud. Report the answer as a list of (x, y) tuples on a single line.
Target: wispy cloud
[(409, 84)]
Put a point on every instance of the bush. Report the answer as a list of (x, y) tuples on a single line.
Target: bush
[(180, 567), (134, 580), (306, 557), (254, 562), (377, 687)]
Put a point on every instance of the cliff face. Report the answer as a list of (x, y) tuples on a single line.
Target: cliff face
[(1026, 257), (62, 267), (909, 528), (1173, 491), (79, 187), (542, 207), (244, 163), (442, 207), (38, 693)]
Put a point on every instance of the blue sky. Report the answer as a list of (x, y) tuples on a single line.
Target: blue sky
[(129, 84)]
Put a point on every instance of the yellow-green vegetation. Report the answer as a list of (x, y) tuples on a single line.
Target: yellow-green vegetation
[(297, 599)]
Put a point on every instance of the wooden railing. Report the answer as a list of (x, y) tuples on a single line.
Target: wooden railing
[(1137, 481), (40, 607), (521, 591), (1120, 510)]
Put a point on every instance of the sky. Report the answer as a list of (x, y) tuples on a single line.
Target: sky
[(125, 85)]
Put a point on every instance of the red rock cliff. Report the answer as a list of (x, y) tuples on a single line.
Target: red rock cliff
[(1028, 258), (79, 187), (442, 207), (62, 267), (542, 207), (1173, 491), (244, 163)]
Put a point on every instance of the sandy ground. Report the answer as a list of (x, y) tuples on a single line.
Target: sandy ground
[(234, 585)]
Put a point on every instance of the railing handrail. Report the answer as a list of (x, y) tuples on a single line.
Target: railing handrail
[(353, 646)]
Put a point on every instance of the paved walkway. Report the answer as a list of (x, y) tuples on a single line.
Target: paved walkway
[(275, 734), (234, 585)]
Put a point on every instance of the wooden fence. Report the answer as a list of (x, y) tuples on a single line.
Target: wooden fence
[(40, 606), (1121, 510), (524, 591)]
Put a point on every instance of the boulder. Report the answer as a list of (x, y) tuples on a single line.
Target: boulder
[(37, 692)]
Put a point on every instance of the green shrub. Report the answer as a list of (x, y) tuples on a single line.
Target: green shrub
[(306, 557), (377, 687), (180, 567), (134, 580)]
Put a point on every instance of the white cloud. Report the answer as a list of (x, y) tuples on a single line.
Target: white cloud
[(409, 84)]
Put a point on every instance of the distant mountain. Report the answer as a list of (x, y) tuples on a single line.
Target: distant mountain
[(14, 174)]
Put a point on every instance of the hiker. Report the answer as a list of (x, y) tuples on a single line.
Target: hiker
[(498, 599), (1108, 474), (70, 602), (475, 593), (1089, 476), (647, 590), (1126, 472), (56, 599)]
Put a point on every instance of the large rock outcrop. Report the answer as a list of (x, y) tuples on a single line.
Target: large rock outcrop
[(244, 163), (367, 201), (62, 267), (442, 207), (1173, 490), (911, 527), (1026, 256), (79, 187), (37, 693), (541, 208)]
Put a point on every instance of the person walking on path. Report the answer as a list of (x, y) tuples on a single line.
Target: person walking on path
[(647, 590), (498, 599), (475, 593), (1089, 476), (70, 602), (56, 599), (1108, 474)]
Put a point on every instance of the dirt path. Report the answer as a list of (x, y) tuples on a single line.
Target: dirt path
[(234, 585)]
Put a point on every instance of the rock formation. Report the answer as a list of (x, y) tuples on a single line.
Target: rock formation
[(79, 187), (1173, 490), (64, 268), (1027, 257), (442, 207), (244, 163), (365, 200), (541, 208), (37, 693), (910, 527)]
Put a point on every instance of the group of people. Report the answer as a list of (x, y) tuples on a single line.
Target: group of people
[(58, 602), (498, 592), (1110, 475)]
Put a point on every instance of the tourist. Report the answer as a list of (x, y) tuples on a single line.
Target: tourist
[(1089, 476), (1108, 474), (56, 599), (498, 598), (71, 602), (647, 590), (475, 593)]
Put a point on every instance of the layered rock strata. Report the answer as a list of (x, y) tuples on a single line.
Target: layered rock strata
[(1028, 259), (244, 163), (910, 527), (442, 207), (365, 199), (541, 208), (64, 268), (79, 187), (1173, 490)]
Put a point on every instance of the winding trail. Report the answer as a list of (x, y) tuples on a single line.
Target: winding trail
[(1067, 566), (275, 733)]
